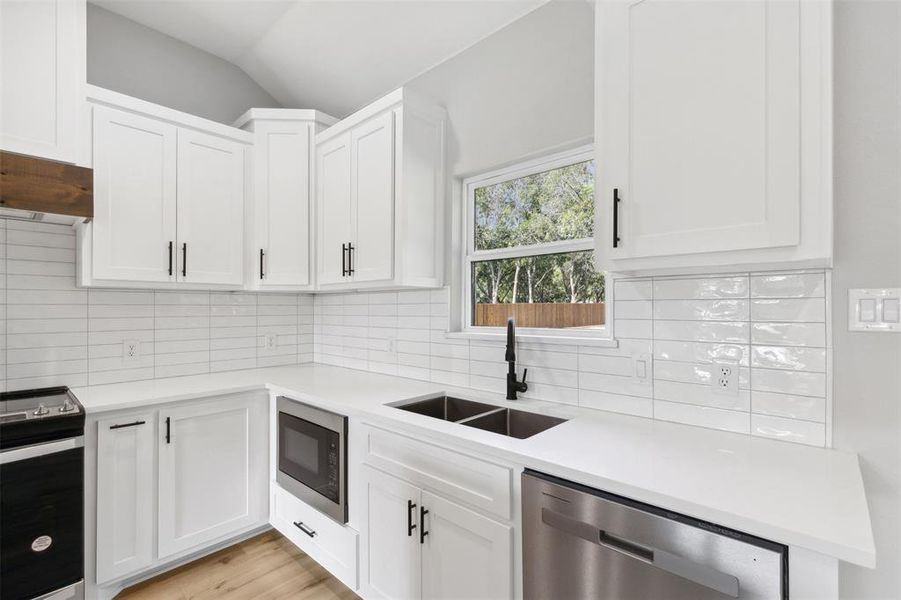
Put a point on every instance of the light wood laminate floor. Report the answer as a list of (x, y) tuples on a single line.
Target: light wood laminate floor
[(265, 567)]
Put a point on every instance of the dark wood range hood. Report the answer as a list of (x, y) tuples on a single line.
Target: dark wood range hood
[(37, 186)]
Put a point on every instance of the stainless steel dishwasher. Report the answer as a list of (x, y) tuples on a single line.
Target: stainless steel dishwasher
[(581, 543)]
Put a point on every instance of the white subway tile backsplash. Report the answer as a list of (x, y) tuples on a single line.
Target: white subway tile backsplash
[(633, 309), (805, 310), (702, 331), (700, 310), (637, 289), (630, 405), (807, 408), (703, 416), (789, 430), (701, 288), (59, 334), (772, 326), (789, 334), (788, 285), (787, 357), (701, 352), (789, 382)]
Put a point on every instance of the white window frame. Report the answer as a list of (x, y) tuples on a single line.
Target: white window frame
[(471, 255)]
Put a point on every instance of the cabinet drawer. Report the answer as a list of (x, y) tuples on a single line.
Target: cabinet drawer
[(332, 545), (456, 476)]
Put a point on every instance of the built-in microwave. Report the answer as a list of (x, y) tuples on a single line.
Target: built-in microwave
[(312, 456)]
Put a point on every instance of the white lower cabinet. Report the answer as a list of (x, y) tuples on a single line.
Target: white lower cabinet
[(461, 541), (178, 480), (391, 537), (331, 544), (211, 472), (125, 448), (418, 544)]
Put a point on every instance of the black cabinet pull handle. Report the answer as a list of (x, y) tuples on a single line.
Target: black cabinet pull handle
[(350, 258), (124, 425), (422, 531), (170, 259), (616, 201), (410, 524), (184, 260), (300, 525), (343, 260), (168, 436), (262, 254)]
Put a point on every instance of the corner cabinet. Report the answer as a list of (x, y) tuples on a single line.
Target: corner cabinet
[(178, 480), (278, 215), (168, 199), (713, 134), (42, 67), (380, 196), (212, 471)]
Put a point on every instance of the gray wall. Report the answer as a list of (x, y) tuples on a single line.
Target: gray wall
[(527, 88), (130, 58), (867, 383)]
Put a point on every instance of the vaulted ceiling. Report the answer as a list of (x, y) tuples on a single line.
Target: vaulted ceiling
[(333, 55)]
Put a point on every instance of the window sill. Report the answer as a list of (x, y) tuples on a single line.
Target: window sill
[(532, 338)]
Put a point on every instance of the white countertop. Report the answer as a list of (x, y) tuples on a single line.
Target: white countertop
[(789, 493)]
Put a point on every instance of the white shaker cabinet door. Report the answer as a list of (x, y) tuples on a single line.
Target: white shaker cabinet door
[(372, 160), (42, 57), (282, 194), (125, 484), (212, 471), (698, 128), (210, 209), (391, 556), (464, 555), (333, 181), (134, 197)]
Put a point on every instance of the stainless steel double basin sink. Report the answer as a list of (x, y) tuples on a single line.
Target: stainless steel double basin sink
[(487, 417)]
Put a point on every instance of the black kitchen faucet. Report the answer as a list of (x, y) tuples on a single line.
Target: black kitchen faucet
[(513, 386)]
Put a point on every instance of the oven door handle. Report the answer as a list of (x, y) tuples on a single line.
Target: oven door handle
[(35, 450)]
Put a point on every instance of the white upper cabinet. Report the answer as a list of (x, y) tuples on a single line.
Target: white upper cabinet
[(334, 209), (168, 198), (372, 199), (134, 196), (42, 69), (279, 210), (712, 136), (380, 196), (210, 225)]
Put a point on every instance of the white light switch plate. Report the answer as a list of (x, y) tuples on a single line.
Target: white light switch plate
[(874, 309)]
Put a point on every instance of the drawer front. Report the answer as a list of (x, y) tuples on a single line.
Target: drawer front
[(455, 476), (332, 545)]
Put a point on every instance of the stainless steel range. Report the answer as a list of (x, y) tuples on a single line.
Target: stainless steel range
[(41, 495)]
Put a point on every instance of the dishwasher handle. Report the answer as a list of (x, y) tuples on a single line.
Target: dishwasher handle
[(677, 565)]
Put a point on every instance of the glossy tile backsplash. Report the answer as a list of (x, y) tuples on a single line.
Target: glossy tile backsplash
[(771, 326), (56, 334)]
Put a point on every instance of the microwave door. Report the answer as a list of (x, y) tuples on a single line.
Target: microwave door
[(304, 454)]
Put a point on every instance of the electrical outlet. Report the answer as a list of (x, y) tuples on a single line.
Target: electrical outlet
[(642, 366), (270, 341), (724, 378), (131, 350)]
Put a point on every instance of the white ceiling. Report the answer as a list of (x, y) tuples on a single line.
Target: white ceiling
[(333, 55)]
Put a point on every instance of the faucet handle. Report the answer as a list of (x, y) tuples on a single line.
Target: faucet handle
[(522, 386)]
